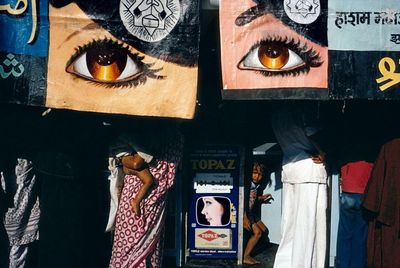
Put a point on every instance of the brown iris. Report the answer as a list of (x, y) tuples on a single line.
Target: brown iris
[(273, 56), (106, 64)]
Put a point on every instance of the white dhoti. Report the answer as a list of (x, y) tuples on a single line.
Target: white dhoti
[(303, 226)]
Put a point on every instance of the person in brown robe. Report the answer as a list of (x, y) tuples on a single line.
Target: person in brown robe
[(382, 198)]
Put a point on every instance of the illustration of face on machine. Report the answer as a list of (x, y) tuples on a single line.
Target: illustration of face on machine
[(213, 210)]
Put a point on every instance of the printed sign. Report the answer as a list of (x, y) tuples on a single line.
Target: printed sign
[(116, 56), (365, 25), (213, 183), (213, 216), (364, 43), (213, 238)]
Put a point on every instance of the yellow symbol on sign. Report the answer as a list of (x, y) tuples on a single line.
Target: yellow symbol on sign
[(389, 78), (19, 8)]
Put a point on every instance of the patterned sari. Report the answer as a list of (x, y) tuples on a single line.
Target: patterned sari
[(138, 240), (22, 221)]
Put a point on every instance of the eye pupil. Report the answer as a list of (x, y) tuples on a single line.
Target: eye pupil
[(273, 56), (106, 57), (272, 51), (106, 64)]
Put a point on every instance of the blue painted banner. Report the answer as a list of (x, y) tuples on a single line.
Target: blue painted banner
[(24, 33), (24, 27)]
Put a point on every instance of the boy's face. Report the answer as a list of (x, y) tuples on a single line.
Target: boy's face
[(257, 174)]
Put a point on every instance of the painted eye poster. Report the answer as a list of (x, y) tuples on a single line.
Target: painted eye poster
[(136, 57), (274, 49), (214, 210), (310, 49)]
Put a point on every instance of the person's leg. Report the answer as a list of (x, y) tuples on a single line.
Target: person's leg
[(147, 181), (360, 234), (321, 234), (256, 234), (261, 225), (345, 231), (309, 235), (265, 231), (283, 256)]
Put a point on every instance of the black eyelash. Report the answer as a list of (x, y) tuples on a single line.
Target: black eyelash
[(146, 70), (293, 72), (310, 57)]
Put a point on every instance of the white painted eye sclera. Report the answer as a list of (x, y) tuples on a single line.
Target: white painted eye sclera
[(80, 66), (131, 69)]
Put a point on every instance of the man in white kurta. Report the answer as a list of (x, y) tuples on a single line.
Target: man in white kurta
[(304, 177)]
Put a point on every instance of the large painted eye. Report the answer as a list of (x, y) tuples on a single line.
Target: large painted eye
[(273, 57), (106, 62), (277, 57)]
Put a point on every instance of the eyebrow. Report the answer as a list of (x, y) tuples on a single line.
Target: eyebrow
[(265, 8), (90, 26), (254, 13)]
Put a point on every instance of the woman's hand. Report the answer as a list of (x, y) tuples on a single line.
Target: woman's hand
[(318, 158)]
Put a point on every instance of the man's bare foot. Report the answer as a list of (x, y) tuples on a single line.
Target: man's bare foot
[(250, 261), (135, 206)]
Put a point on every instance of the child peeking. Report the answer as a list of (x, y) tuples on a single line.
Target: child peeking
[(251, 221)]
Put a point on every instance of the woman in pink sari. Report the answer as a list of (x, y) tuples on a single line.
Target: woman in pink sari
[(138, 239)]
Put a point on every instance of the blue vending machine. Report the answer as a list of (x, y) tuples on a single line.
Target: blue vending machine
[(213, 222)]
